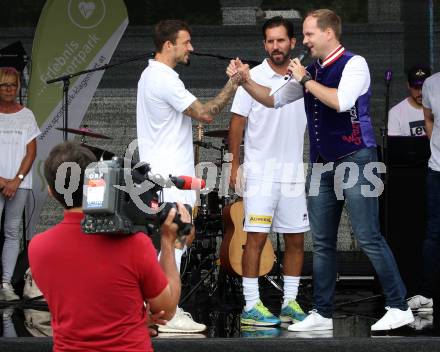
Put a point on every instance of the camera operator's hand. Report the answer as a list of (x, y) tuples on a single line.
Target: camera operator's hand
[(154, 320), (169, 228), (185, 216)]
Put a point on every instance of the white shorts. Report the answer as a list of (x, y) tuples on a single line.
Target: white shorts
[(279, 206)]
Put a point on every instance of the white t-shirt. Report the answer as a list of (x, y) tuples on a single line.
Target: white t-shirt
[(405, 120), (431, 100), (16, 131), (164, 133), (274, 138), (355, 81)]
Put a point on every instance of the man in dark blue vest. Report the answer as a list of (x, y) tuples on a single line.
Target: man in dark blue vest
[(336, 90)]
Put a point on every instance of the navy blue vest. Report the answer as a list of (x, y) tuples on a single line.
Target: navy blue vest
[(333, 134)]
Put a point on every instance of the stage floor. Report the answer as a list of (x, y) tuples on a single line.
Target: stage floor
[(218, 303)]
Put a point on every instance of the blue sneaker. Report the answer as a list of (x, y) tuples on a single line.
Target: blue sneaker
[(292, 313), (259, 316)]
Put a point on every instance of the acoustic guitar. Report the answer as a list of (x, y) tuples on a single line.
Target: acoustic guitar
[(234, 240)]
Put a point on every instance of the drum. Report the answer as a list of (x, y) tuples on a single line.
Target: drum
[(210, 203)]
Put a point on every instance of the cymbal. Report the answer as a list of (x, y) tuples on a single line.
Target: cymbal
[(217, 133), (83, 132), (99, 153)]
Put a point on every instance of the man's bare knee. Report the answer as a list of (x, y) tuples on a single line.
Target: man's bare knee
[(256, 240)]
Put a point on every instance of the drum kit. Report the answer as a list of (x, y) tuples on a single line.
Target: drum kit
[(84, 132), (210, 220)]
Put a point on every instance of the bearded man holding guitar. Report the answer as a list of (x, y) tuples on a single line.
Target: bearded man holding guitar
[(274, 191)]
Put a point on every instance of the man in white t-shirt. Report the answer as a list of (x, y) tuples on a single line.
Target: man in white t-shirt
[(406, 118), (164, 129), (429, 278), (273, 176)]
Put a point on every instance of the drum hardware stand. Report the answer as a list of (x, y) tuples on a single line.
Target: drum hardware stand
[(210, 224), (198, 284), (278, 255), (277, 266), (273, 282), (206, 229), (200, 134), (66, 83)]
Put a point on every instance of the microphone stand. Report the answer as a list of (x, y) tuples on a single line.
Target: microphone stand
[(384, 131), (66, 83), (251, 63)]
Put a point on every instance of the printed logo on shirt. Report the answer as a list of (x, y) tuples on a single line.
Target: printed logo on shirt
[(417, 128), (260, 219)]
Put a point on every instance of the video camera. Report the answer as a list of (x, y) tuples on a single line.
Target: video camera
[(121, 197)]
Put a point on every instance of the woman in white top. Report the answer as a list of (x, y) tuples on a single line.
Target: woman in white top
[(18, 130)]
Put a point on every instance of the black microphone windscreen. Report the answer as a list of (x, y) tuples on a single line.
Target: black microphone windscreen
[(388, 75)]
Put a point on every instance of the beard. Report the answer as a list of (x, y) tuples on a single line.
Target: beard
[(279, 61), (184, 62)]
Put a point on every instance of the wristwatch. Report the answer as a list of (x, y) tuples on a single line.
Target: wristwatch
[(21, 177), (305, 78)]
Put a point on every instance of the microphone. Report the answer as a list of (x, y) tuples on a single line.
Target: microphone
[(188, 182), (388, 76), (180, 182), (302, 55)]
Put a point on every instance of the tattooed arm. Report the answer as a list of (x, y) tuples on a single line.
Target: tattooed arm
[(205, 112)]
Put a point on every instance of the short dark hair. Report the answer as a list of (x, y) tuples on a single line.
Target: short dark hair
[(168, 30), (326, 18), (276, 22), (67, 152)]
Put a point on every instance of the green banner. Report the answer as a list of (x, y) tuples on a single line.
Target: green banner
[(71, 36)]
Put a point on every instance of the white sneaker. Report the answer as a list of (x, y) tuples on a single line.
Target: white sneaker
[(182, 322), (422, 321), (7, 313), (7, 293), (313, 322), (394, 318), (181, 335), (420, 303), (311, 334)]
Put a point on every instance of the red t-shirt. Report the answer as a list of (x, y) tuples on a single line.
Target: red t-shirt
[(95, 286)]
